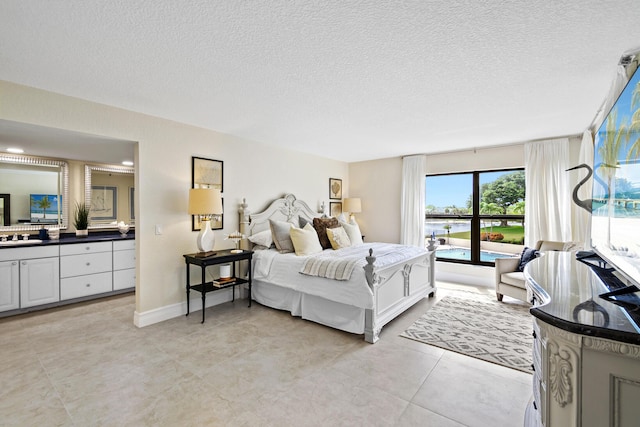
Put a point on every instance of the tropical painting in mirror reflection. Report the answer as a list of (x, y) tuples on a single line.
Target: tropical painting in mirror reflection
[(44, 208)]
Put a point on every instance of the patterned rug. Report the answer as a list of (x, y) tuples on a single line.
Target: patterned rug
[(477, 326)]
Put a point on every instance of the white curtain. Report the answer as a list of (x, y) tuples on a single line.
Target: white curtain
[(414, 169), (582, 229), (548, 198)]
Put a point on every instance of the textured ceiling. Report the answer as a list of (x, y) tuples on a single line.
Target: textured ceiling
[(350, 80)]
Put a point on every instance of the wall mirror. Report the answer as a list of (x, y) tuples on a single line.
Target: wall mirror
[(109, 191), (35, 193)]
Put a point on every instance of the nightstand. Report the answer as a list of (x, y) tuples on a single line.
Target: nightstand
[(220, 257)]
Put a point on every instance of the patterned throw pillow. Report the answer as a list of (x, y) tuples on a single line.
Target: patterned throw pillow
[(321, 225), (528, 254), (338, 238)]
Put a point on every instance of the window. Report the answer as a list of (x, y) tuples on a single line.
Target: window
[(476, 217)]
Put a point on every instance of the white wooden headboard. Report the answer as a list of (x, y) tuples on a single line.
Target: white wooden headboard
[(287, 208)]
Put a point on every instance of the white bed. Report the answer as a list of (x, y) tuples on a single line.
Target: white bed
[(381, 285)]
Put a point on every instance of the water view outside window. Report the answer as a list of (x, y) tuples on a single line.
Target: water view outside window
[(476, 217)]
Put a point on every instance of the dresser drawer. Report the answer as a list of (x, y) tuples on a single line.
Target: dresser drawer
[(78, 265), (121, 245), (124, 279), (76, 287), (85, 248), (124, 259)]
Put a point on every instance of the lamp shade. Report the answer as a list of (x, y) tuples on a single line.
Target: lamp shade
[(205, 201), (352, 205)]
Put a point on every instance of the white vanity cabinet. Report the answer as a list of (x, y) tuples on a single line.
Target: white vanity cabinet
[(85, 269), (37, 276), (124, 264), (9, 285)]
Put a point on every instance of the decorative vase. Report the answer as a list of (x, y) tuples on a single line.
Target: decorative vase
[(82, 233)]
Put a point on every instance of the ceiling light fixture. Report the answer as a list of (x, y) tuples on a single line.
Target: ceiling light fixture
[(15, 150), (127, 163)]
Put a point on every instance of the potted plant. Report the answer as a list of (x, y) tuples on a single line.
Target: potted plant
[(81, 220)]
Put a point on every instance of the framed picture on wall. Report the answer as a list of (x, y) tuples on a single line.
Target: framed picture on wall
[(207, 173), (104, 203), (335, 209), (335, 188)]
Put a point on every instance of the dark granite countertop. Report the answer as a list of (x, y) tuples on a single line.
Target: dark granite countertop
[(70, 238), (570, 292)]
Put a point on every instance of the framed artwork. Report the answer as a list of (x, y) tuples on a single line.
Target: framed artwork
[(104, 203), (207, 173), (335, 188), (335, 209), (132, 214)]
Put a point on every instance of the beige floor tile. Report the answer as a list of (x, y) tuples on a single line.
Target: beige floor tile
[(87, 364)]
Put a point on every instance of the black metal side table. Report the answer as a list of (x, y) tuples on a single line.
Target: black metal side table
[(220, 257)]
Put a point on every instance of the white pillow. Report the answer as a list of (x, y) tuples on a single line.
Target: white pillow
[(262, 238), (280, 235), (305, 240), (353, 231), (338, 238)]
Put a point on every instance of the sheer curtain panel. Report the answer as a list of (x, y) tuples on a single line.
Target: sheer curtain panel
[(548, 199), (414, 169)]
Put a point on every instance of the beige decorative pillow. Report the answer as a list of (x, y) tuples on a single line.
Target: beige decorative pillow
[(338, 238), (353, 231), (305, 240), (280, 235)]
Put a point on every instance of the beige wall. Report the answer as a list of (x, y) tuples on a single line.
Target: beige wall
[(253, 171)]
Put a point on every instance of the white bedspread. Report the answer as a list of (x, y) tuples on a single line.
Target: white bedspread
[(284, 270)]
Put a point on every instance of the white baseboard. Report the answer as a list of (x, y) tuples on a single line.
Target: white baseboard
[(146, 318)]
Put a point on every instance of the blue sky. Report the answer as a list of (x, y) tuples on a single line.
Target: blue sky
[(449, 190)]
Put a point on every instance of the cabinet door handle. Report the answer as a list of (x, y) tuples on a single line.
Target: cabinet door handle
[(14, 263), (88, 248), (88, 264), (534, 335), (88, 285), (24, 262)]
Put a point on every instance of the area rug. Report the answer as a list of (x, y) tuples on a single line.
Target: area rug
[(477, 326)]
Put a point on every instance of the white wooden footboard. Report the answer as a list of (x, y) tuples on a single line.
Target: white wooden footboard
[(395, 289)]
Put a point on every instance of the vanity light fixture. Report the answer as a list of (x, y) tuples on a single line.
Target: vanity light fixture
[(207, 203), (15, 150)]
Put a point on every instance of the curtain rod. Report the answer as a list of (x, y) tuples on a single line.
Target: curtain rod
[(491, 147)]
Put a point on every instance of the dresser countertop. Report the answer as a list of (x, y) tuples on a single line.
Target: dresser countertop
[(567, 297)]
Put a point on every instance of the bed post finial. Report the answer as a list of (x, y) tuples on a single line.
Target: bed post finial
[(368, 269), (244, 217)]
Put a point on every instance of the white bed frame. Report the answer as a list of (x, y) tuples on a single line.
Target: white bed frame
[(395, 288)]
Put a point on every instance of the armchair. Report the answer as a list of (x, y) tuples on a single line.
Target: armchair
[(510, 281)]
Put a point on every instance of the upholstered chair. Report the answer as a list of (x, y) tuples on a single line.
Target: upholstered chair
[(510, 281)]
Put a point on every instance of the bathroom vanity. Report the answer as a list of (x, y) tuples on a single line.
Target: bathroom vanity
[(41, 274)]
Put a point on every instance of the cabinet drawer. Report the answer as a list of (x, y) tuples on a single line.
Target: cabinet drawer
[(121, 245), (124, 259), (124, 279), (75, 287), (79, 265), (8, 254), (85, 248)]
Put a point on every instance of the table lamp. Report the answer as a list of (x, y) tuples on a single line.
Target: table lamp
[(207, 204), (353, 206)]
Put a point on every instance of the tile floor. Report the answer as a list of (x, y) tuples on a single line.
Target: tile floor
[(88, 365)]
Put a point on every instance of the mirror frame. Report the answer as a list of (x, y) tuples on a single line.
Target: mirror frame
[(42, 161), (88, 169)]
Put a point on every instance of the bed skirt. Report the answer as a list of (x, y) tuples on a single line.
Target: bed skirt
[(340, 316)]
